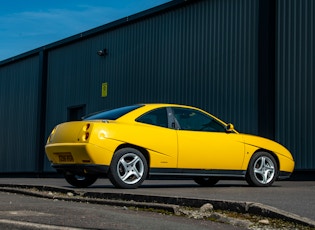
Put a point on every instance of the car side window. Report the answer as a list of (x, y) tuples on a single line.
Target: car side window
[(195, 120), (156, 117)]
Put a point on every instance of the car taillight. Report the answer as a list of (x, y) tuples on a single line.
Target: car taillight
[(86, 127), (85, 136), (86, 133)]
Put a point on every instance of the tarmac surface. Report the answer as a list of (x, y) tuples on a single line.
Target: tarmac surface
[(292, 200), (20, 212)]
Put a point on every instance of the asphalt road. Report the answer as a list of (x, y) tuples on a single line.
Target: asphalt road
[(292, 196), (26, 212)]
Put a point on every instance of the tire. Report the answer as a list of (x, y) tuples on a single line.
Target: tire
[(206, 181), (128, 168), (80, 181), (262, 170)]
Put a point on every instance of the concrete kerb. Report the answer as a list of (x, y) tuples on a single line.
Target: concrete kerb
[(170, 204)]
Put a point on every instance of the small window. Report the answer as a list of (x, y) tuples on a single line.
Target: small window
[(113, 114), (195, 120), (75, 113), (156, 117)]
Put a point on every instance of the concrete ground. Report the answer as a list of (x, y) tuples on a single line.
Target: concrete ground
[(294, 197)]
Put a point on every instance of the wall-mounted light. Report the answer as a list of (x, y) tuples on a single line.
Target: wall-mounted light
[(102, 52)]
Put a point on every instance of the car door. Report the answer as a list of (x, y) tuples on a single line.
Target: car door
[(203, 142), (157, 136)]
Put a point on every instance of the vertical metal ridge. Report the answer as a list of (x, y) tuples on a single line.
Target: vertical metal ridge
[(19, 100), (295, 73)]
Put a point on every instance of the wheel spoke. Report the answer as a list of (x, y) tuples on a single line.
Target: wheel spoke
[(269, 167), (258, 171), (124, 164), (259, 166), (132, 171), (127, 175), (137, 173), (134, 162), (265, 177)]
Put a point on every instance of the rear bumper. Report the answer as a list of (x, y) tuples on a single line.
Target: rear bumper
[(81, 168), (81, 154)]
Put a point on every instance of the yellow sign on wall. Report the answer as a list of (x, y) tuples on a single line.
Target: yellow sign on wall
[(104, 89)]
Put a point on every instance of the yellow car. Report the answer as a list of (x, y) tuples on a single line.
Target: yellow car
[(130, 143)]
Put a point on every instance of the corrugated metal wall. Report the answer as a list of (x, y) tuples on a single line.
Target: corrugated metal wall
[(19, 116), (204, 53), (295, 79)]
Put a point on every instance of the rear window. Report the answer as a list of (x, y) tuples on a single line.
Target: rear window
[(112, 114)]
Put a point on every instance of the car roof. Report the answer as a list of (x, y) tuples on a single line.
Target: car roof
[(151, 106)]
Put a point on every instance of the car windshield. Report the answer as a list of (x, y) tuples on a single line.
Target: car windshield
[(112, 114)]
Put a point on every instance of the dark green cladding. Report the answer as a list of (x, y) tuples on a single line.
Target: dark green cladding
[(206, 53)]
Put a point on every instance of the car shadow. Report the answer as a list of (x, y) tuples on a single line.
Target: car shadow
[(176, 184), (162, 184)]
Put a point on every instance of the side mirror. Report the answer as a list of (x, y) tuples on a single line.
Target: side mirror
[(229, 128)]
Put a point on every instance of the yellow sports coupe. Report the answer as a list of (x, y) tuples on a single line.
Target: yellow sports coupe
[(130, 143)]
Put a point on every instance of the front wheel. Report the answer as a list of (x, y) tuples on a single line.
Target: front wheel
[(128, 168), (262, 170), (80, 181)]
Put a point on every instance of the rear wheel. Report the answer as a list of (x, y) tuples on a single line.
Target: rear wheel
[(206, 181), (80, 181), (128, 168), (262, 170)]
